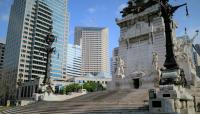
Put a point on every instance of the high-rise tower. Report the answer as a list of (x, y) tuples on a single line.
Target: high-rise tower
[(2, 51), (25, 55), (94, 44), (73, 60)]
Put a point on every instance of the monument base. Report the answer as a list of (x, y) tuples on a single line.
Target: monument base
[(171, 97)]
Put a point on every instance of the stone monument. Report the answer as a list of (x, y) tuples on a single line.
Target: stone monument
[(141, 43), (151, 75), (148, 34)]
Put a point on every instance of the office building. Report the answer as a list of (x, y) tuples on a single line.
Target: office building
[(25, 55), (94, 44), (113, 60), (196, 58), (73, 60), (197, 48), (2, 50)]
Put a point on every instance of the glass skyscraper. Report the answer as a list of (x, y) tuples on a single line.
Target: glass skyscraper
[(60, 24), (73, 60), (25, 55)]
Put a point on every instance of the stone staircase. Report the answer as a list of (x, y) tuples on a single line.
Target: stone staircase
[(112, 102)]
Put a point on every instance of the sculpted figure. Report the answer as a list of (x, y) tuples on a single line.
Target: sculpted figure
[(156, 71), (155, 61), (119, 72)]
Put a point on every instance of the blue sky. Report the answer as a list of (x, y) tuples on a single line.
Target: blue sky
[(102, 13)]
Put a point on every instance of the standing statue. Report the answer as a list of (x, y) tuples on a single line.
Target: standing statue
[(119, 72), (155, 61), (156, 71), (137, 6)]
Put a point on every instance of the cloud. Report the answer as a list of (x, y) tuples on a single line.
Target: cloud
[(192, 32), (2, 40), (91, 10), (89, 21), (4, 17), (120, 8)]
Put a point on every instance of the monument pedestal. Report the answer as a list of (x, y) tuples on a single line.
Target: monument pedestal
[(171, 97)]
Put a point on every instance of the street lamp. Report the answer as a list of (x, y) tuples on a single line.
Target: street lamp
[(50, 38), (19, 84)]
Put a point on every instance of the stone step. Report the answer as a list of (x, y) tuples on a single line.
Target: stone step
[(93, 102), (57, 109)]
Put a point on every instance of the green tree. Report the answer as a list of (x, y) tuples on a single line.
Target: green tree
[(100, 87), (72, 88), (90, 86), (93, 86)]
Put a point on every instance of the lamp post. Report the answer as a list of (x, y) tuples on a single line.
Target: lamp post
[(19, 84), (50, 38), (167, 12)]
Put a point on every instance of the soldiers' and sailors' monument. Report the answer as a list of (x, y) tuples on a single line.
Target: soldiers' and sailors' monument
[(153, 73)]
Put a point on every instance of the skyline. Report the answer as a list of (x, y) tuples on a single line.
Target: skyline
[(92, 13)]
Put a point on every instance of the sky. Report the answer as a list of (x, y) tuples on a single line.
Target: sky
[(102, 13)]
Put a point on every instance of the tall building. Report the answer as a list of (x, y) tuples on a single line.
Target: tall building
[(73, 60), (25, 56), (197, 47), (113, 60), (94, 44), (2, 50), (196, 59)]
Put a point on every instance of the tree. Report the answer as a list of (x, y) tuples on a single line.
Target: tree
[(90, 86), (93, 86), (72, 88)]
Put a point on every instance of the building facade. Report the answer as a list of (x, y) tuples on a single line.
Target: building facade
[(82, 80), (197, 47), (94, 44), (113, 60), (196, 58), (73, 60), (25, 55), (2, 51)]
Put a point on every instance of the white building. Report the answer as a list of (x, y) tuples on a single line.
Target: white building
[(94, 44), (82, 80)]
